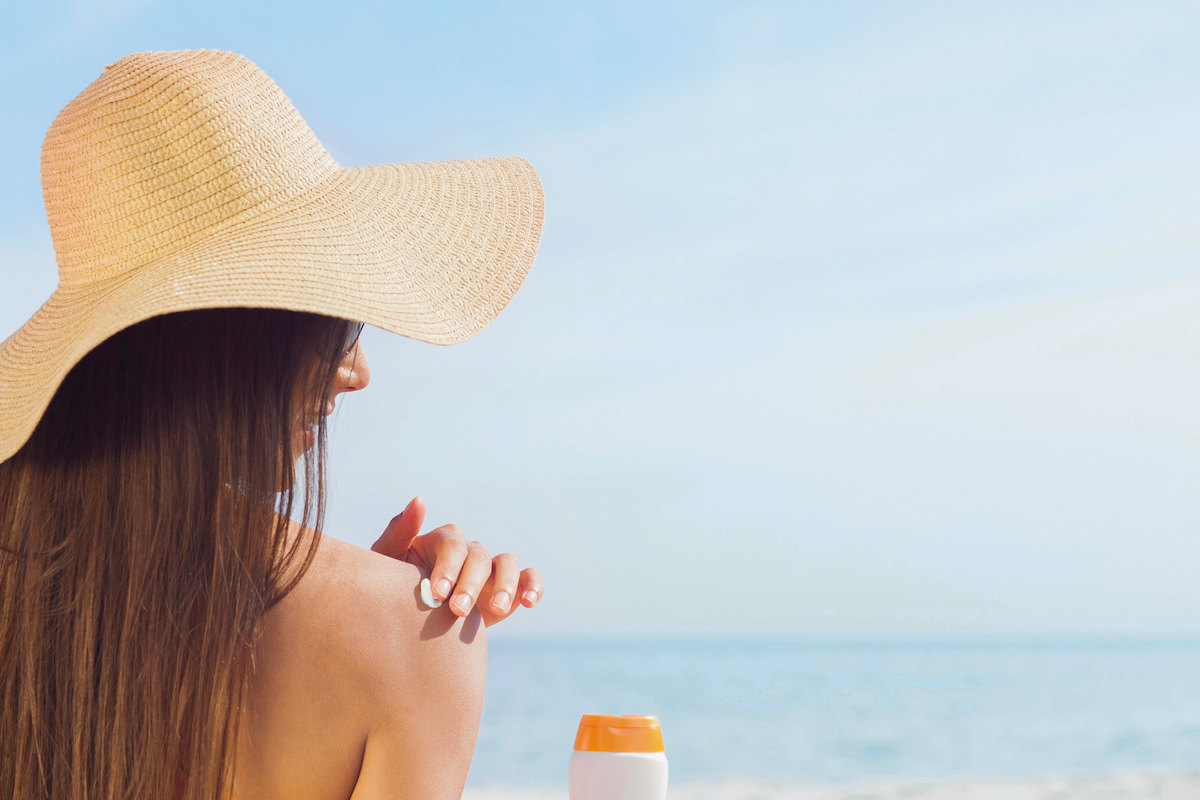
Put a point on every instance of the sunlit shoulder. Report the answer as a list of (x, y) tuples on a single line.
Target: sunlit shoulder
[(358, 689)]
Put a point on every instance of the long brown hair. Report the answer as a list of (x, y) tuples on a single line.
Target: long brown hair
[(143, 534)]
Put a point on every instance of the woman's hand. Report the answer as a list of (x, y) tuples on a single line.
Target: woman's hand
[(462, 572)]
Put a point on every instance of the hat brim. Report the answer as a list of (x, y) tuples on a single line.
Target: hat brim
[(432, 251)]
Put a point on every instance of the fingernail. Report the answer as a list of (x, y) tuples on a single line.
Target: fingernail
[(443, 588), (462, 602), (501, 601), (530, 597)]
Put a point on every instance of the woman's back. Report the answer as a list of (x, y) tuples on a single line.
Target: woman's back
[(159, 610), (143, 536)]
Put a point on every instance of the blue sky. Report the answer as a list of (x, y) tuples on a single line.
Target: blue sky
[(849, 317)]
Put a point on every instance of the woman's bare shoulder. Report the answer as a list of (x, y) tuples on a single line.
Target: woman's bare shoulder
[(351, 669), (367, 610)]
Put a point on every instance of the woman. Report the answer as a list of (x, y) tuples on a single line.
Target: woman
[(166, 628)]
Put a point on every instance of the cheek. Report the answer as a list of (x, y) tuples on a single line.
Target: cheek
[(304, 417)]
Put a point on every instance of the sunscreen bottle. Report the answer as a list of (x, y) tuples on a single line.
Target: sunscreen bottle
[(618, 758)]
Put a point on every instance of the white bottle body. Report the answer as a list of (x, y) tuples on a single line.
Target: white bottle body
[(617, 776)]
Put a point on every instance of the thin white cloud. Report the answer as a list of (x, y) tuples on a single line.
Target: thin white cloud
[(1127, 360)]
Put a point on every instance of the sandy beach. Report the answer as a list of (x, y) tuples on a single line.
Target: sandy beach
[(1122, 786)]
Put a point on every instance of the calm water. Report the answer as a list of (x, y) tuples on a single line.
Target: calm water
[(832, 711)]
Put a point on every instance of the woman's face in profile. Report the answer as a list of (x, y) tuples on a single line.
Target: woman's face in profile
[(353, 373)]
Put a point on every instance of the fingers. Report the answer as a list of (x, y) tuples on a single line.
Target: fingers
[(450, 552), (506, 574), (476, 571), (507, 584), (462, 574), (531, 588), (400, 532)]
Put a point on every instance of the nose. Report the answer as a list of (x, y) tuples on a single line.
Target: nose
[(354, 372)]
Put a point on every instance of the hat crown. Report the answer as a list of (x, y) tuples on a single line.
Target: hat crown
[(163, 151)]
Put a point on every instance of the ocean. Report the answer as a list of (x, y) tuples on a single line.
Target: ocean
[(849, 711)]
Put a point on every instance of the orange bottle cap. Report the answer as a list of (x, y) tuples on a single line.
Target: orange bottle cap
[(624, 734)]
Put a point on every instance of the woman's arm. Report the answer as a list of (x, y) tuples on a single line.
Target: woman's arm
[(425, 690)]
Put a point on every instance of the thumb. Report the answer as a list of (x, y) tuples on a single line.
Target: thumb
[(398, 536)]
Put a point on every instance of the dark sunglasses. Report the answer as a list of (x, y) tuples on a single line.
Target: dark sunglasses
[(355, 330)]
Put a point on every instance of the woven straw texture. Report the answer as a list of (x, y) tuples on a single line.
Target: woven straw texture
[(187, 180)]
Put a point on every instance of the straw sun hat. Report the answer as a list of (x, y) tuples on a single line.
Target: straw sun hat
[(187, 180)]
